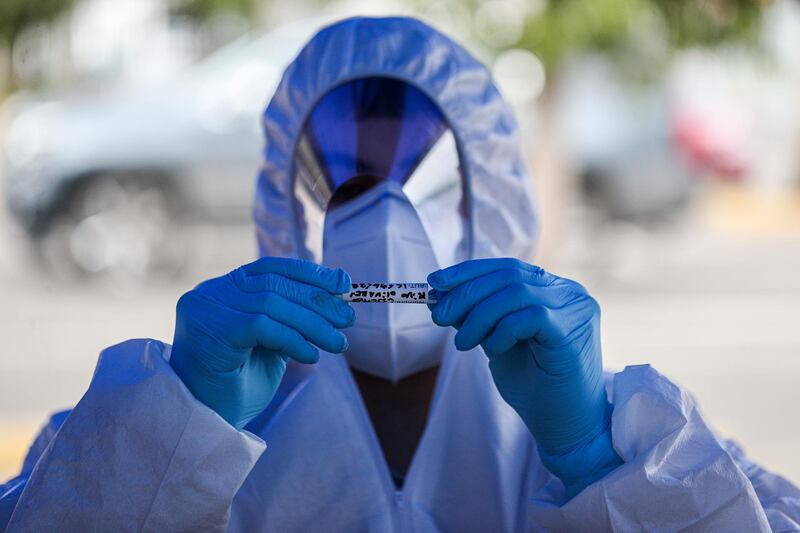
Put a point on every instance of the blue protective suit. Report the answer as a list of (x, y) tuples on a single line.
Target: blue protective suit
[(139, 452)]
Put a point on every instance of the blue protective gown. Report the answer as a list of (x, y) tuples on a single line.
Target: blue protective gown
[(139, 452)]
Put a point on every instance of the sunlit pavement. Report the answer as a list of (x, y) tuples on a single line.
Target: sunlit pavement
[(713, 302)]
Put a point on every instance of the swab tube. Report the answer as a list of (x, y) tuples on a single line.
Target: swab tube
[(396, 293)]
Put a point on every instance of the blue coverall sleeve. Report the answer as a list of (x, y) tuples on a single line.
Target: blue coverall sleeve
[(11, 490), (779, 498), (677, 475), (138, 452)]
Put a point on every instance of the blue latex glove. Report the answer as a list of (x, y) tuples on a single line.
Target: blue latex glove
[(542, 336), (234, 334)]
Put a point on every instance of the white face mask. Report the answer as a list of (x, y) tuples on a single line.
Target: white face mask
[(378, 237)]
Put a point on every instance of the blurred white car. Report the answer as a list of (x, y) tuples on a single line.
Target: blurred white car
[(620, 139), (103, 183)]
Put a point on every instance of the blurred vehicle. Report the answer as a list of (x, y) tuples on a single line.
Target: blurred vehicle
[(103, 184), (618, 136), (713, 139)]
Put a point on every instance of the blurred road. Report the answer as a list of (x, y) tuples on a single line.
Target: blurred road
[(711, 306), (53, 330)]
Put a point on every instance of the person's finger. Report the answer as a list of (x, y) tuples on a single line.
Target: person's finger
[(333, 309), (433, 294), (457, 302), (263, 331), (335, 281), (309, 324), (448, 278), (546, 327), (313, 326), (517, 326), (482, 319)]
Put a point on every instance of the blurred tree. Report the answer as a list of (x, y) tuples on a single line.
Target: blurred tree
[(696, 22), (215, 22), (564, 27), (18, 15), (203, 10), (639, 36)]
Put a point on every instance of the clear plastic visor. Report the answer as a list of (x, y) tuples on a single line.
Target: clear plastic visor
[(373, 129)]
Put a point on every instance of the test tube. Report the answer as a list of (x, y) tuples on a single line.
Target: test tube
[(396, 293)]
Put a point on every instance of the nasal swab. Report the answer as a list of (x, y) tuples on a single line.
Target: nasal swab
[(396, 293)]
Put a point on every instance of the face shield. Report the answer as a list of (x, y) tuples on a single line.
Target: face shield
[(495, 207), (373, 130), (379, 192)]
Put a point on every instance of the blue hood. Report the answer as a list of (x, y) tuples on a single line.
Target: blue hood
[(500, 201)]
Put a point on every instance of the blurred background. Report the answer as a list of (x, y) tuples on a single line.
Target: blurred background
[(663, 137)]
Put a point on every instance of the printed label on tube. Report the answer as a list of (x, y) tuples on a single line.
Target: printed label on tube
[(396, 293)]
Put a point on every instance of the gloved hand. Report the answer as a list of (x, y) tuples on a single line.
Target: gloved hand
[(542, 336), (234, 334)]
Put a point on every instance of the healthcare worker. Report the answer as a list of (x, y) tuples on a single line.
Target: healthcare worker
[(389, 156)]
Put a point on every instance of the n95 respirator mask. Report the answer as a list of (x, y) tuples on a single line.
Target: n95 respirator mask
[(378, 237)]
